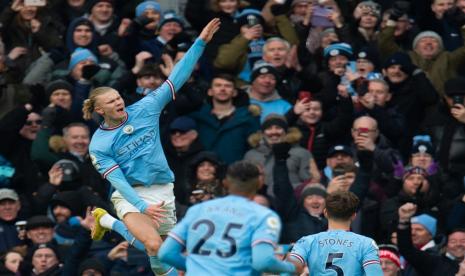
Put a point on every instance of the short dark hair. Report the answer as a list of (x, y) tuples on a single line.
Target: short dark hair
[(243, 176), (226, 77), (341, 205)]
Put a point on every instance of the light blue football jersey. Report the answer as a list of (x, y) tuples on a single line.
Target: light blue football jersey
[(338, 253), (131, 153), (219, 235)]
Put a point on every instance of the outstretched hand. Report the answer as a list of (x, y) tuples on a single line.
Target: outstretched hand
[(156, 213), (209, 30)]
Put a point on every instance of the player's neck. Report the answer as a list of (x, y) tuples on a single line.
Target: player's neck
[(111, 122), (248, 196), (338, 225)]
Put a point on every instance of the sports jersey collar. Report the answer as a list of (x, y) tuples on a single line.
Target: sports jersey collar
[(102, 127)]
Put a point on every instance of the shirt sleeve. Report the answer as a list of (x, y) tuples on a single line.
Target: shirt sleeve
[(371, 264), (179, 232), (171, 253), (180, 74), (299, 251), (111, 171), (263, 259), (268, 231)]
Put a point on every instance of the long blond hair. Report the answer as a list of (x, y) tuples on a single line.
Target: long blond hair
[(89, 104)]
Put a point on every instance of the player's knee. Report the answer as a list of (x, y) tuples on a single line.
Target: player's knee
[(152, 246)]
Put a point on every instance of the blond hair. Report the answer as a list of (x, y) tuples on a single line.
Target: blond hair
[(89, 104)]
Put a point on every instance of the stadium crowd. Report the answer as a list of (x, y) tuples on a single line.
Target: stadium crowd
[(323, 96)]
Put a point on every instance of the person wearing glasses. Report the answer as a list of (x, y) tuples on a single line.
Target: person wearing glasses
[(18, 129)]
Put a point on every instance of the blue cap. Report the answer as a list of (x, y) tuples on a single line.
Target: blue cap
[(340, 148), (337, 49), (426, 221), (183, 124), (147, 5), (170, 16), (81, 54)]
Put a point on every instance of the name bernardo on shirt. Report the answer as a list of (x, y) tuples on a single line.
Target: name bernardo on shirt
[(329, 242), (136, 145)]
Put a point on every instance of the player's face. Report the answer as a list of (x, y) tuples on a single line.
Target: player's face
[(206, 171), (314, 204), (420, 236), (412, 183), (77, 140), (222, 91), (389, 267), (274, 134), (111, 106), (456, 244)]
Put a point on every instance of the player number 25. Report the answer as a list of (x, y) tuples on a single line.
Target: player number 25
[(210, 231), (330, 265)]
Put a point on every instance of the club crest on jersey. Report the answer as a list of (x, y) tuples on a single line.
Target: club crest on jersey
[(273, 223), (128, 129)]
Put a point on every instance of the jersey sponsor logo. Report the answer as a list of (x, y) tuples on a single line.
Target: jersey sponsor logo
[(273, 225), (128, 129), (137, 144)]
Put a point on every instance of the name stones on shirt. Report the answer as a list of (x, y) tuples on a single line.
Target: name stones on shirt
[(330, 242)]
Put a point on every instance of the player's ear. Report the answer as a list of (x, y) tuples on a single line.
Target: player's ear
[(99, 110), (325, 213), (354, 215)]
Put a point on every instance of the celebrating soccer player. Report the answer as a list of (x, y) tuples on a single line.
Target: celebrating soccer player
[(228, 236), (338, 251), (127, 151)]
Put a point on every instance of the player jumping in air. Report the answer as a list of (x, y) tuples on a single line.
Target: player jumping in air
[(337, 252), (126, 150), (227, 236)]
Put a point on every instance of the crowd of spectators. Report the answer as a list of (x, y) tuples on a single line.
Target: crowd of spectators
[(322, 95)]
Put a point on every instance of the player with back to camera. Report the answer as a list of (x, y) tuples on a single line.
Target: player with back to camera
[(337, 251), (127, 151), (228, 236)]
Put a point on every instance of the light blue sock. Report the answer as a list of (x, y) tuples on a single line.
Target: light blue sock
[(161, 269), (121, 229)]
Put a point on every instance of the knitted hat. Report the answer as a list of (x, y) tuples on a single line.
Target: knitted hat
[(170, 16), (92, 263), (92, 3), (81, 54), (247, 16), (369, 7), (422, 144), (398, 58), (274, 120), (49, 245), (147, 5), (340, 148), (336, 49), (426, 221), (56, 85), (390, 252), (369, 54), (313, 189), (183, 124), (414, 170), (327, 31), (455, 86), (261, 68), (427, 34)]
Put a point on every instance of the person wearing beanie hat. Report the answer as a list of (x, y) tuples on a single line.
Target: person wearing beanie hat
[(367, 61), (145, 6), (45, 259), (100, 12), (39, 229), (367, 8), (262, 91), (390, 259), (250, 17), (428, 44), (60, 93), (82, 57), (170, 16), (92, 266), (417, 246), (313, 199), (337, 56)]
